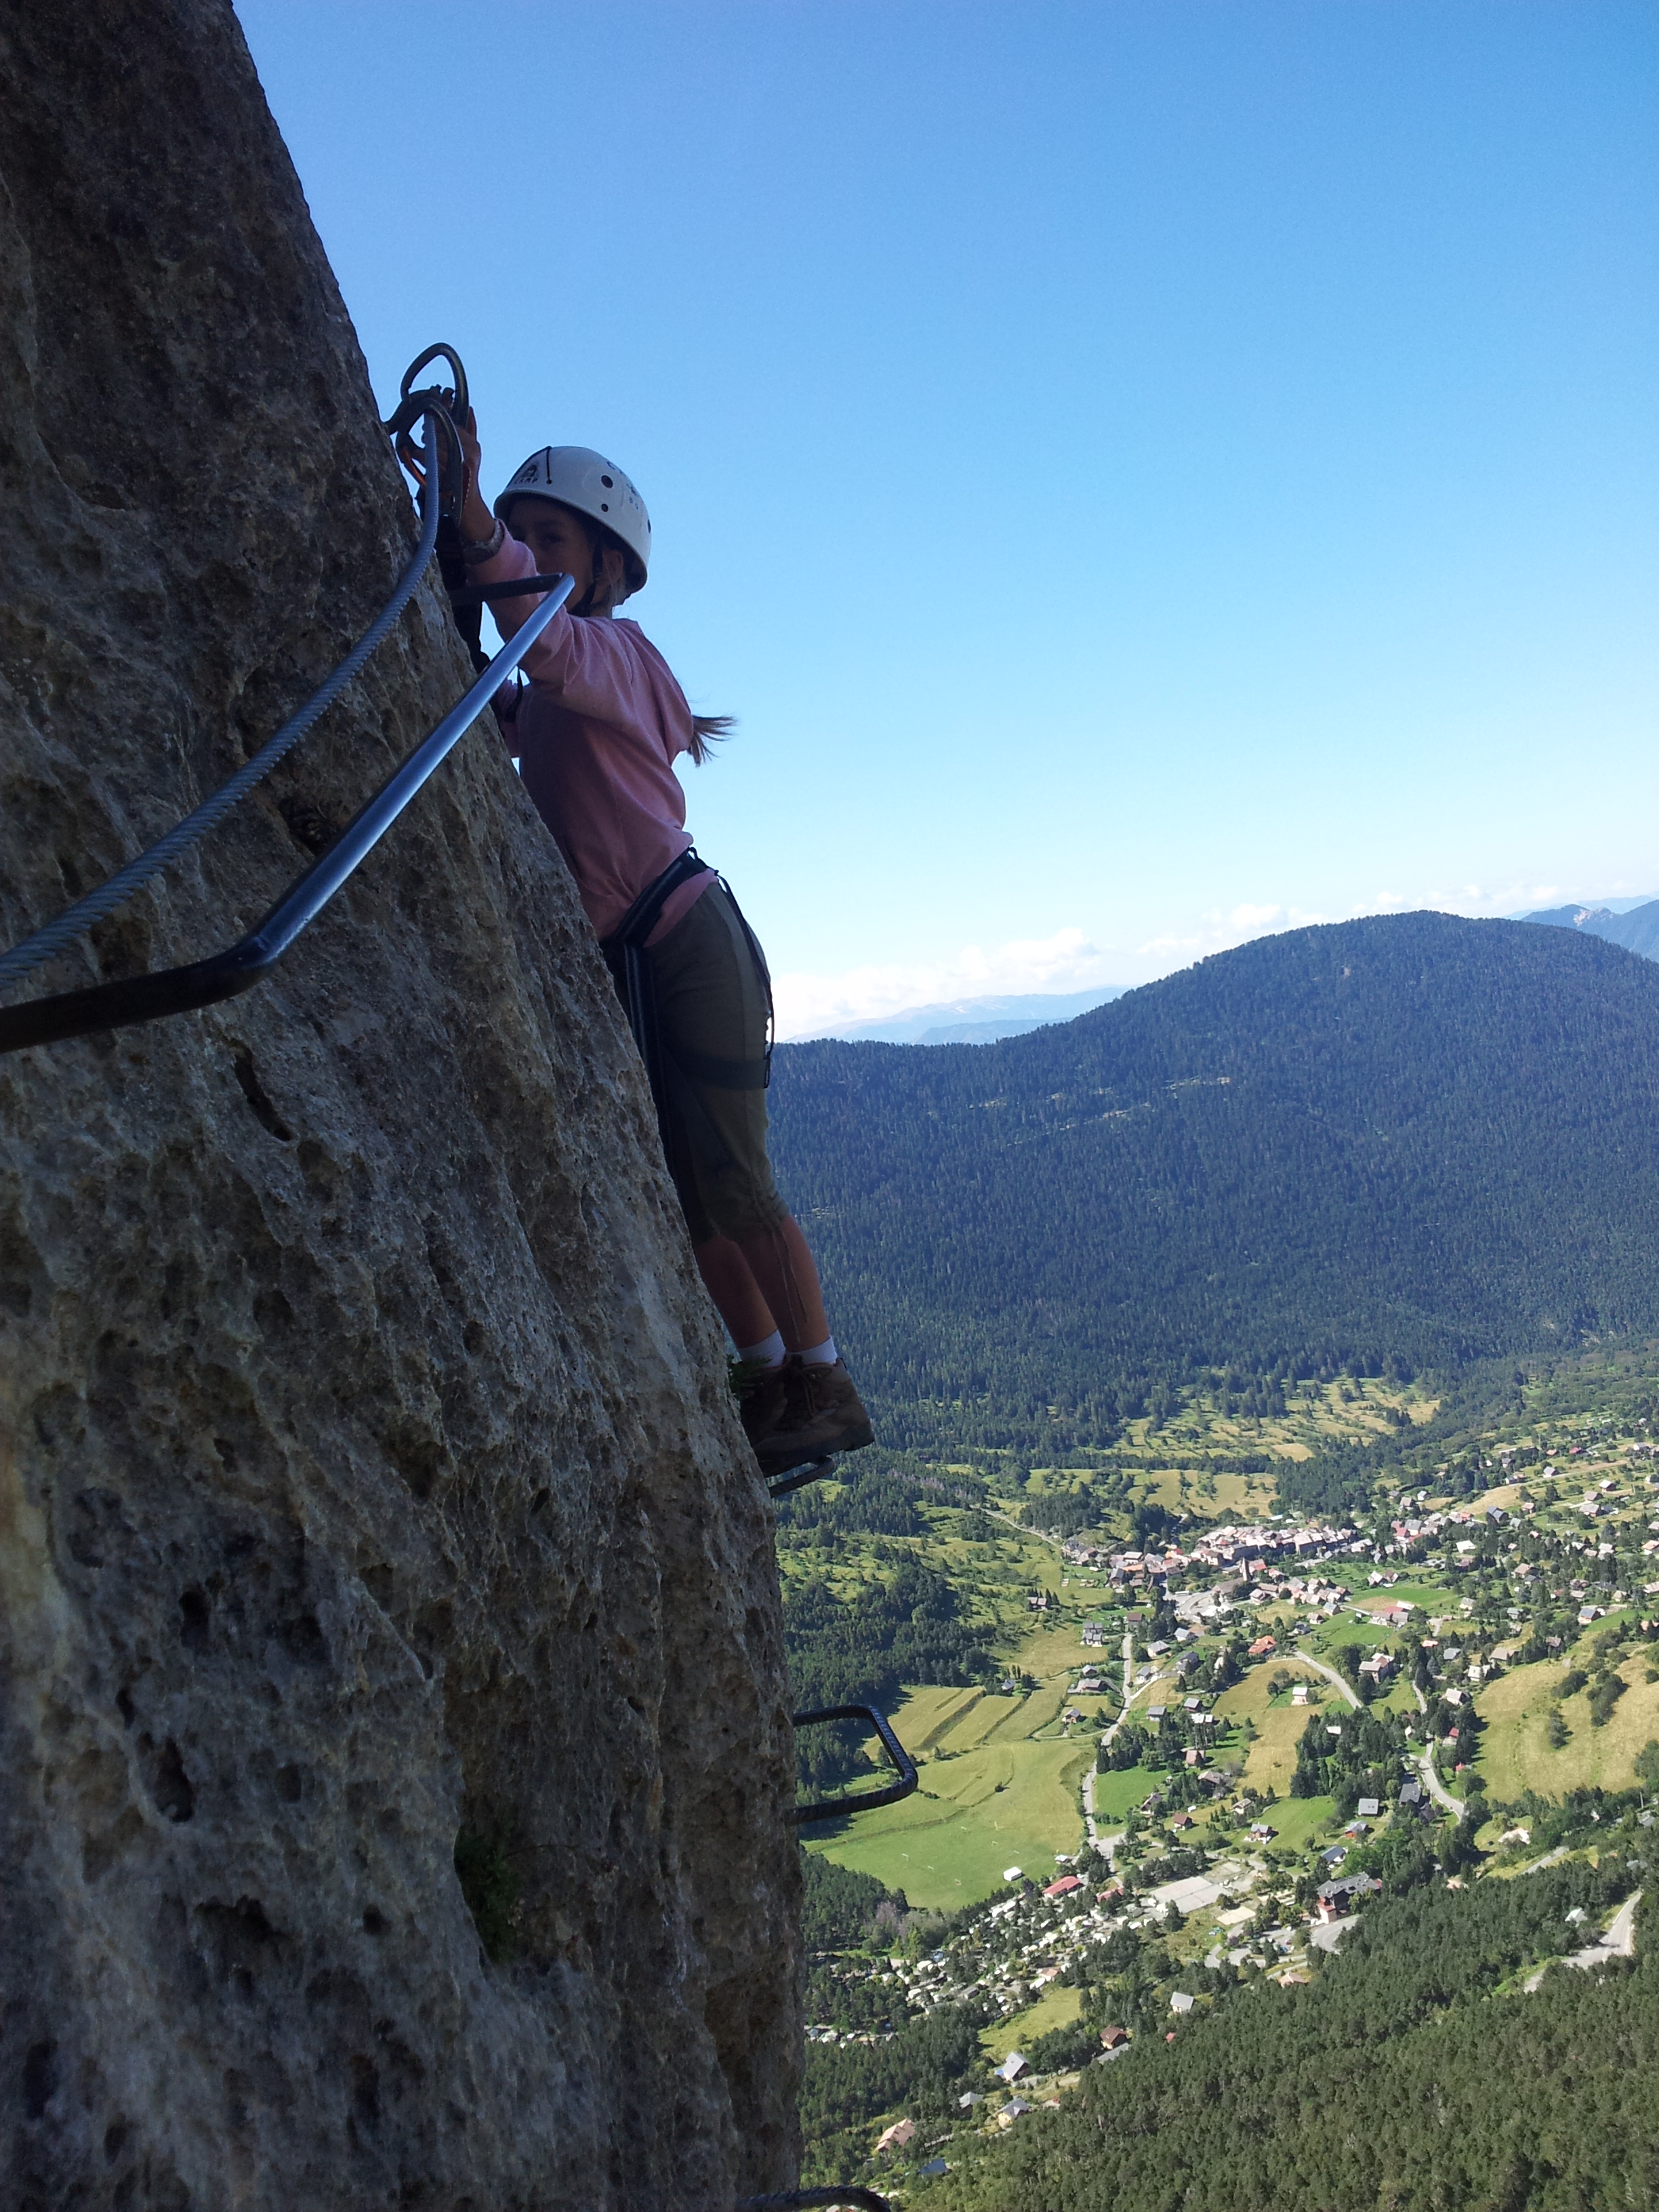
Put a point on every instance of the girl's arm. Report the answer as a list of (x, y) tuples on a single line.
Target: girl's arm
[(593, 665), (477, 523)]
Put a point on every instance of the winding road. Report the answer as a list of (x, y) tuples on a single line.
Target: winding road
[(1097, 1842), (1306, 1659), (1617, 1942), (1424, 1761), (1424, 1764)]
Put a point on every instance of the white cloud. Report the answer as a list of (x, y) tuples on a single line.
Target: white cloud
[(808, 1004), (1219, 932)]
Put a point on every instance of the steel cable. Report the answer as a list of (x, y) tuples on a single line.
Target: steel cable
[(23, 958)]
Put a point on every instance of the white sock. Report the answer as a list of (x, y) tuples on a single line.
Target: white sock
[(819, 1355), (768, 1352)]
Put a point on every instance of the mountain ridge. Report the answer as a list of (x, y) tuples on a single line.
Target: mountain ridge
[(949, 1021), (1635, 927), (1413, 1140)]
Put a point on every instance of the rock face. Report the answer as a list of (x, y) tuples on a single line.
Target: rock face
[(367, 1474)]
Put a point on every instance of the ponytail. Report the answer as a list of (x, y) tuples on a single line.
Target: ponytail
[(708, 730)]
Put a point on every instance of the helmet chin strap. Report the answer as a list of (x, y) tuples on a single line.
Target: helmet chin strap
[(596, 563)]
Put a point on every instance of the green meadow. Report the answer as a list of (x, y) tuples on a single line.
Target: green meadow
[(1000, 1784)]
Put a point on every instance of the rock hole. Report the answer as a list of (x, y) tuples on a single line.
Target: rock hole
[(307, 822), (365, 2091), (115, 2140), (374, 1922), (169, 1785), (124, 1703), (302, 1640), (418, 1458), (85, 1546), (257, 1097), (193, 1611), (227, 1452), (39, 2078), (489, 1883), (243, 1939), (290, 1784)]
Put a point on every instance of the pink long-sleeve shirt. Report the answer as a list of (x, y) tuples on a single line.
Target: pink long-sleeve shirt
[(599, 728)]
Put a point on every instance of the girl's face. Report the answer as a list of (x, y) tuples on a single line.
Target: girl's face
[(558, 540)]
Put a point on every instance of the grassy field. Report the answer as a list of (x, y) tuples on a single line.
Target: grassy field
[(949, 1843), (1299, 1820), (1271, 1760), (978, 1725), (1043, 1708), (1167, 1462), (1116, 1793), (1344, 1629), (992, 1795), (932, 1714), (1055, 2007), (1434, 1598), (1515, 1753), (1241, 1498)]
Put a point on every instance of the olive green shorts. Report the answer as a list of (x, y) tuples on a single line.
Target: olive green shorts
[(713, 1009)]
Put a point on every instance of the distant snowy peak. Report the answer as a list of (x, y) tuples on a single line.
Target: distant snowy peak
[(970, 1021), (1633, 923)]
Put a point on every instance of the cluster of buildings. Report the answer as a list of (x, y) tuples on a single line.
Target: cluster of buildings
[(1246, 1554)]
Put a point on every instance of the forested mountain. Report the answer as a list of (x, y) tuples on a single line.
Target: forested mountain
[(1410, 1142)]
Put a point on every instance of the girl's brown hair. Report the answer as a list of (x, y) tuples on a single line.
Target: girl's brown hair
[(708, 730)]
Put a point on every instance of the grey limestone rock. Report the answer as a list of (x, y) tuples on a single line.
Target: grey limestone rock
[(367, 1473)]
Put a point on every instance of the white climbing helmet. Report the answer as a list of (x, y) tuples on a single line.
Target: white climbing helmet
[(579, 478)]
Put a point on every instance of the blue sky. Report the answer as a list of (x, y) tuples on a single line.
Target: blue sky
[(1142, 472)]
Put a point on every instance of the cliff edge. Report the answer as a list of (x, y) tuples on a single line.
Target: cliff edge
[(367, 1479)]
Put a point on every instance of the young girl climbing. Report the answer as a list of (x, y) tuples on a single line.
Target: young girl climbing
[(599, 725)]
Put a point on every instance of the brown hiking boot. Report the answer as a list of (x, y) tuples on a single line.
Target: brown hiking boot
[(821, 1412), (762, 1399)]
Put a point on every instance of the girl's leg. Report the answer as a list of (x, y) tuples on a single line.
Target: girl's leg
[(780, 1264), (711, 1003), (738, 1298)]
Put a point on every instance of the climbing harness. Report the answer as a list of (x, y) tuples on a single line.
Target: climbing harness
[(671, 1074), (624, 955), (203, 982), (683, 1121), (834, 1808)]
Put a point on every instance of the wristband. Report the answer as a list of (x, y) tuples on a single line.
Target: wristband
[(486, 549)]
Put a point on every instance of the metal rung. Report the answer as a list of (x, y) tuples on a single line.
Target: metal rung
[(866, 2199), (798, 1478), (836, 1808)]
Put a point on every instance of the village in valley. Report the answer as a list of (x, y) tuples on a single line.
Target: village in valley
[(1245, 1730)]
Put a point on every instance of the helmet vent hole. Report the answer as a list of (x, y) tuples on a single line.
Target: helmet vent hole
[(606, 481)]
